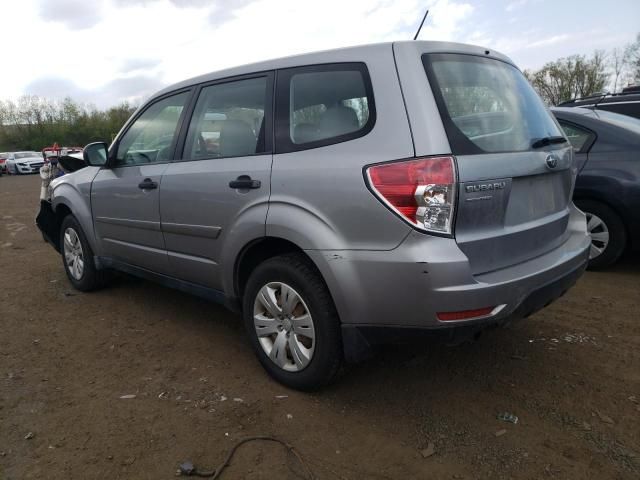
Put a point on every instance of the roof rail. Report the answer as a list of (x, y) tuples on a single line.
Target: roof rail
[(594, 95), (598, 95)]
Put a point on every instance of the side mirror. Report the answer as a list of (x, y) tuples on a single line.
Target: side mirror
[(96, 154)]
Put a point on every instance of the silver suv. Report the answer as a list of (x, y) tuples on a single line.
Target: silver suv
[(336, 199)]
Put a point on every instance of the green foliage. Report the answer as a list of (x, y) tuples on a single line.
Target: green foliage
[(32, 123), (571, 77)]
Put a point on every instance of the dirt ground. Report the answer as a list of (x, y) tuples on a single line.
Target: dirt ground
[(570, 373)]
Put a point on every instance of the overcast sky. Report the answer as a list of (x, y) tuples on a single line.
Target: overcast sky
[(106, 51)]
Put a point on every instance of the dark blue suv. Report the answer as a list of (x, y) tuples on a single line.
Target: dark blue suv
[(607, 147)]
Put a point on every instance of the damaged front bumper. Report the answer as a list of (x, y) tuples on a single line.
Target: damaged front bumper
[(48, 223)]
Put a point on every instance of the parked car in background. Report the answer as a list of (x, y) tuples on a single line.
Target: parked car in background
[(607, 147), (19, 163), (3, 162), (627, 102), (56, 151), (337, 199)]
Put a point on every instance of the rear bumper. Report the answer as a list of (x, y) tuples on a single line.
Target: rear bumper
[(407, 287), (358, 339)]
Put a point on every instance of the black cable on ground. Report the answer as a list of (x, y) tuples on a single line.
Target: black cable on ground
[(188, 469)]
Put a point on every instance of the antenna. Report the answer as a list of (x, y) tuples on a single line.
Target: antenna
[(421, 23)]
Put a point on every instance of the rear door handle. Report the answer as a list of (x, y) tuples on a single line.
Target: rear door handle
[(147, 184), (244, 182)]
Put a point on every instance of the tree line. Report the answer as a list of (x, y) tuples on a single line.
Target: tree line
[(33, 122), (581, 75)]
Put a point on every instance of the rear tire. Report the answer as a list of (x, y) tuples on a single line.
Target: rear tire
[(608, 234), (77, 257), (300, 343)]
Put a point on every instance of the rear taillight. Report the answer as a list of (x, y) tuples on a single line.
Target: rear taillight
[(422, 191)]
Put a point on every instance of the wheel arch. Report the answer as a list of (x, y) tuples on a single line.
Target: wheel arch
[(69, 201), (61, 212), (256, 252)]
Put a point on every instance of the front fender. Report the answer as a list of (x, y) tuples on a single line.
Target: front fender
[(74, 192)]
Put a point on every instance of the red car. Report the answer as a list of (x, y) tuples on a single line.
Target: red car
[(3, 162)]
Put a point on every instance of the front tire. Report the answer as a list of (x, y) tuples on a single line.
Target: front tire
[(77, 257), (608, 234), (292, 322)]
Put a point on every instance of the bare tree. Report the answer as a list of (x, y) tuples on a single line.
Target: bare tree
[(618, 61)]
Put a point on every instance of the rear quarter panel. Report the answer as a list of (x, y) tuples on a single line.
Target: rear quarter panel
[(319, 199), (613, 177), (611, 174)]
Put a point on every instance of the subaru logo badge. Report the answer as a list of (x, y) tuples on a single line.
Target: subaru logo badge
[(552, 161)]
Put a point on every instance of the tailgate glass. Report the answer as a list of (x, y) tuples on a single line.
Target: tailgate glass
[(487, 105)]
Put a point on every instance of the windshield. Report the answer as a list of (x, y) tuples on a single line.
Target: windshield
[(624, 121), (486, 105), (27, 154)]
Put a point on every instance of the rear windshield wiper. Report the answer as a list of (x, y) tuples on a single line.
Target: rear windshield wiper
[(543, 142)]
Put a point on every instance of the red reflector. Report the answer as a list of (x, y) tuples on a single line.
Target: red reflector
[(465, 314), (397, 182)]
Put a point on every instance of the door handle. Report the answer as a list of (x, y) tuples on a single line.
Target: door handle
[(148, 184), (244, 182)]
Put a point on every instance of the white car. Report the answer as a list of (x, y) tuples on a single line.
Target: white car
[(24, 162)]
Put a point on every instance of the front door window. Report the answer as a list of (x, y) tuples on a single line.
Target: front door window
[(151, 138)]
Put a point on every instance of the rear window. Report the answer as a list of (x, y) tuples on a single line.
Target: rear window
[(320, 105), (486, 105), (624, 121)]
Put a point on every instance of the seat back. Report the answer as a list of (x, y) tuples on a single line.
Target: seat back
[(236, 139)]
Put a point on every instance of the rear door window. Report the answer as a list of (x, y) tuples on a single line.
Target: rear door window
[(486, 105), (321, 105), (580, 138)]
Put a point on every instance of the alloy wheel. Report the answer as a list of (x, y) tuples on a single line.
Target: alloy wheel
[(73, 255), (599, 235)]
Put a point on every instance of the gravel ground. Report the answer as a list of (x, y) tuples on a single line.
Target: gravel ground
[(192, 387)]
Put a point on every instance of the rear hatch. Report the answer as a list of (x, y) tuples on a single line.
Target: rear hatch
[(515, 168)]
